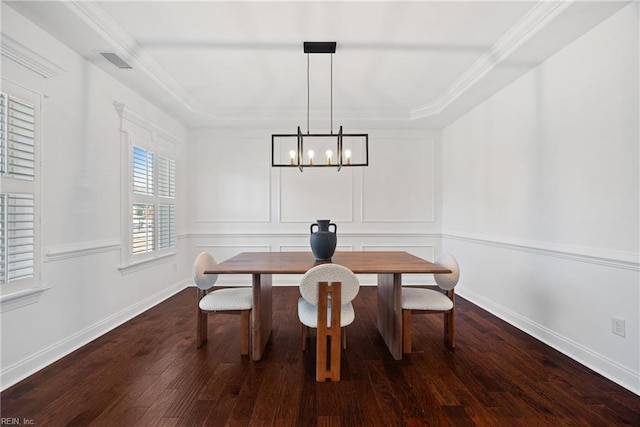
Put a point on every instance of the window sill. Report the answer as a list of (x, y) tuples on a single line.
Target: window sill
[(134, 266), (21, 298)]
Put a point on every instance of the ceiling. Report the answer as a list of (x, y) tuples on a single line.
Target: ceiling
[(397, 64)]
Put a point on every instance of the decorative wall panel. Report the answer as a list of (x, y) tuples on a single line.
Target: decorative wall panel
[(316, 194), (399, 184), (233, 180)]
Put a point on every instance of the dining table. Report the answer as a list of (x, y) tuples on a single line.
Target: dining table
[(388, 265)]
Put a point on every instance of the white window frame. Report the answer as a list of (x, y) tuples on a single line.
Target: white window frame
[(23, 291), (136, 131)]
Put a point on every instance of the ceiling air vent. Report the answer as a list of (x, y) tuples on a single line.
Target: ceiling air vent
[(115, 60)]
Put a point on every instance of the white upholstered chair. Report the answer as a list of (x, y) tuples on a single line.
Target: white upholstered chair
[(227, 300), (428, 301), (327, 291)]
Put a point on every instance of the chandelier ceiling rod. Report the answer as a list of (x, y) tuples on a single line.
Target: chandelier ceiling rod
[(308, 96), (320, 48)]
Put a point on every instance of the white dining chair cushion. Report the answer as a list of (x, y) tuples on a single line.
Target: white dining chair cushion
[(228, 299), (350, 285), (204, 261), (447, 281), (424, 299), (307, 313)]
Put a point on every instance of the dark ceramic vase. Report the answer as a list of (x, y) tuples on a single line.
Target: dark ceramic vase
[(323, 241)]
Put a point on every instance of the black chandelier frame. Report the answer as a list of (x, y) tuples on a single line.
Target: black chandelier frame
[(298, 162)]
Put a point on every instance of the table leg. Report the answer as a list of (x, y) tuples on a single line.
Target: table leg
[(390, 312), (260, 314)]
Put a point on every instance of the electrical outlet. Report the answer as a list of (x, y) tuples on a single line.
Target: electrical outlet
[(617, 326)]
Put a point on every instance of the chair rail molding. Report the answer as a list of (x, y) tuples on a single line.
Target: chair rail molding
[(371, 234), (604, 257), (55, 253)]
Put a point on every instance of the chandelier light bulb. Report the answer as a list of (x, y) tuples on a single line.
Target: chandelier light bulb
[(347, 155), (310, 154), (329, 155), (292, 156)]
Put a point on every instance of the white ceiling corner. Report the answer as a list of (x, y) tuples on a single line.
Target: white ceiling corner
[(541, 14)]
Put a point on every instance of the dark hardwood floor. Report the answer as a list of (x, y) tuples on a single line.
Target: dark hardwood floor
[(149, 373)]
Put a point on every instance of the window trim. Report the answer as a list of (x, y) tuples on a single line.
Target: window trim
[(26, 291), (136, 130)]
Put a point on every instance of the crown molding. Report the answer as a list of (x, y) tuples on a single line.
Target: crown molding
[(126, 46), (93, 15), (530, 24), (28, 58)]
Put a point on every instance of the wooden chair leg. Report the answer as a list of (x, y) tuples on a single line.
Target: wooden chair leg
[(449, 329), (202, 317), (449, 322), (328, 350), (406, 331), (344, 338), (245, 332)]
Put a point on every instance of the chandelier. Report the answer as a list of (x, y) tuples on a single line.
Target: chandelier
[(299, 150)]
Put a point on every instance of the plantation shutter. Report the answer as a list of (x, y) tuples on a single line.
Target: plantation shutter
[(17, 205), (143, 228), (166, 212), (3, 132), (142, 171), (153, 208), (166, 177), (167, 226), (18, 236), (17, 145)]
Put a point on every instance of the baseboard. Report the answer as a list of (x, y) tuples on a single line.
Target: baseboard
[(604, 366), (32, 364)]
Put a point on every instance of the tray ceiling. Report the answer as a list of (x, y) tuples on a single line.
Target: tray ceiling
[(410, 64)]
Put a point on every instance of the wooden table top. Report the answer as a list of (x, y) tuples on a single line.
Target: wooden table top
[(368, 262)]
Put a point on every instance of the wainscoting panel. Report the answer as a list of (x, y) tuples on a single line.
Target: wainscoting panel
[(316, 194), (399, 184), (232, 180)]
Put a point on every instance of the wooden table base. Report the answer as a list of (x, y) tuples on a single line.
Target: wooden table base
[(261, 316), (390, 312)]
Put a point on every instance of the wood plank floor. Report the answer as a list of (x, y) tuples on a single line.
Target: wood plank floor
[(149, 373)]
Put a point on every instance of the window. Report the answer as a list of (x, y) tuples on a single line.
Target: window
[(153, 202), (148, 191), (18, 219)]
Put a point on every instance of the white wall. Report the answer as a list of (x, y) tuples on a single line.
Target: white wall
[(81, 207), (541, 199), (240, 203)]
